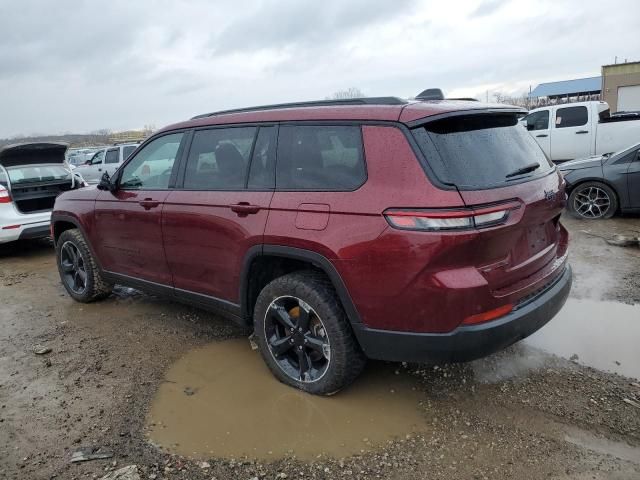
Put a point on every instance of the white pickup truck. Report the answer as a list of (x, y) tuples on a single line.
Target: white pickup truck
[(582, 129)]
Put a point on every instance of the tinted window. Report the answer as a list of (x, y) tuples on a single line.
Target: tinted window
[(320, 158), (571, 117), (151, 168), (97, 158), (263, 170), (113, 156), (218, 159), (126, 151), (538, 120), (479, 151)]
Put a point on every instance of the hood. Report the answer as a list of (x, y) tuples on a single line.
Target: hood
[(588, 162), (32, 154)]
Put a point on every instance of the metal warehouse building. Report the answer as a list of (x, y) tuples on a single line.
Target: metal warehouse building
[(621, 86), (579, 89)]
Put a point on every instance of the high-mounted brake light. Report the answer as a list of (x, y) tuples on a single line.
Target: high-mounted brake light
[(4, 195), (449, 219)]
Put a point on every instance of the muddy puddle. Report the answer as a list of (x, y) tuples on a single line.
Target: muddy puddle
[(221, 401), (603, 335)]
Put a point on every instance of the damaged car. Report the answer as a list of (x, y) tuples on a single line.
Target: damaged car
[(32, 175)]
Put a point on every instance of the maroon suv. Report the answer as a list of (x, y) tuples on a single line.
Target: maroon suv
[(418, 231)]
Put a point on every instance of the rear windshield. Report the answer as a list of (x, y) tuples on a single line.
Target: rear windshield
[(481, 151), (36, 173)]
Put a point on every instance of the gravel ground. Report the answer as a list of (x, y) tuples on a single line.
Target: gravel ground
[(518, 414)]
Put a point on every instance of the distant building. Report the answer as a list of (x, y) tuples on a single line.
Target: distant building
[(566, 91), (130, 136), (621, 86)]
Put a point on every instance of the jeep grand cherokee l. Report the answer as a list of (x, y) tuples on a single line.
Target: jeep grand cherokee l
[(419, 231)]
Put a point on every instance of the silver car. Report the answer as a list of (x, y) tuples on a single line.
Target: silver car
[(105, 160), (32, 175)]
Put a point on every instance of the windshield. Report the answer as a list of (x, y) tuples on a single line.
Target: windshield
[(481, 150), (37, 173)]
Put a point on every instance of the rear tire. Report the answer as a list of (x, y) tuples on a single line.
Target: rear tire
[(304, 335), (78, 269), (592, 201)]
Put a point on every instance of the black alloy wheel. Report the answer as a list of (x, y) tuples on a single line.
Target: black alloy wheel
[(72, 265), (297, 339)]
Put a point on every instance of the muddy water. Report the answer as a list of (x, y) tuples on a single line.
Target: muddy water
[(222, 401), (603, 335)]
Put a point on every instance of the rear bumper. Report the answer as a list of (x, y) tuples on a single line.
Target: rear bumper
[(467, 342), (24, 232)]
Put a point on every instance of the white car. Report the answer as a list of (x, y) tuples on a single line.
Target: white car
[(32, 175), (105, 160), (577, 130)]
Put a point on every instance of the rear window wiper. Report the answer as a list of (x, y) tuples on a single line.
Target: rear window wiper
[(522, 170)]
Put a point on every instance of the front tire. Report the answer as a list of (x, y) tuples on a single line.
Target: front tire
[(592, 201), (78, 270), (304, 335)]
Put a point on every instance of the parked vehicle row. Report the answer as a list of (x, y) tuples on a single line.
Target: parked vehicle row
[(377, 228), (107, 160), (32, 175), (601, 185), (577, 130)]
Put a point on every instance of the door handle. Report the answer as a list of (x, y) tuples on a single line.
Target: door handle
[(244, 208), (148, 203), (582, 131), (99, 169), (543, 135)]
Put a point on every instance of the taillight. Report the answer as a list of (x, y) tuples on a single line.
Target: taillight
[(450, 219), (4, 195)]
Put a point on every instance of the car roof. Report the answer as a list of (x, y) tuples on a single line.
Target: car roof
[(404, 111)]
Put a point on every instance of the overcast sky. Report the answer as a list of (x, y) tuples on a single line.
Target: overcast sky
[(78, 66)]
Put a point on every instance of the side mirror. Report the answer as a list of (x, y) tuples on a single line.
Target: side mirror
[(106, 183)]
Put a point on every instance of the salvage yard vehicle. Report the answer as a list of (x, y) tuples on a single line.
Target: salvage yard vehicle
[(599, 186), (577, 130), (105, 160), (418, 231), (32, 175)]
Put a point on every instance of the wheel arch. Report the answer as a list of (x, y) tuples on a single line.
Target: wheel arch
[(264, 263), (61, 223)]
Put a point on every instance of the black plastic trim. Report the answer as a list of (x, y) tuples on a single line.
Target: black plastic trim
[(470, 341), (314, 258), (313, 103), (35, 232), (223, 307)]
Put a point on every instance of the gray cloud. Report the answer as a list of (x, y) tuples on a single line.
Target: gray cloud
[(81, 65), (292, 23), (488, 7)]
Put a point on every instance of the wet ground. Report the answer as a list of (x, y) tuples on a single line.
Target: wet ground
[(179, 392)]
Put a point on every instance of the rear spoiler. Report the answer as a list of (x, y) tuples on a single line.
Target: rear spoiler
[(33, 153)]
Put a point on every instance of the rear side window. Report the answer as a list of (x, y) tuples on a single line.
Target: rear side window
[(112, 156), (480, 151), (571, 117), (218, 159), (320, 158)]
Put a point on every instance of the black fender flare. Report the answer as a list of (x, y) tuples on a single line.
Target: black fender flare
[(317, 260)]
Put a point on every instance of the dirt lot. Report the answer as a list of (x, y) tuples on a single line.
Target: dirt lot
[(520, 414)]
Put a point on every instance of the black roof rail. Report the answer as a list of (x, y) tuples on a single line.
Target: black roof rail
[(314, 103)]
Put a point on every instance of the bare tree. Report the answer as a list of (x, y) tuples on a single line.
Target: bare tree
[(520, 101), (352, 92)]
